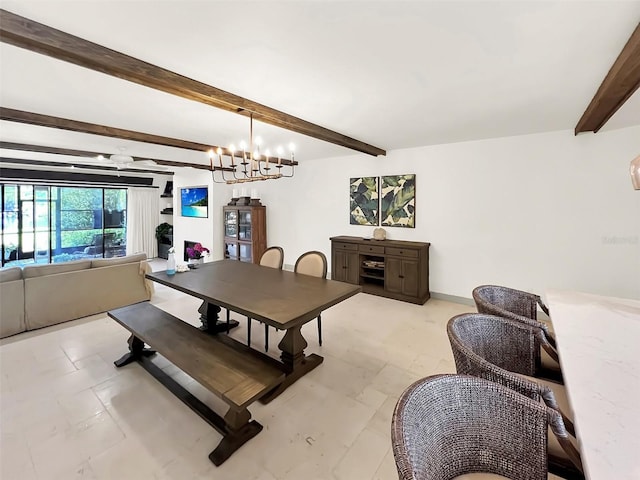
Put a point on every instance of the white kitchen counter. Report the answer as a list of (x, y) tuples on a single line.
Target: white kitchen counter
[(599, 346)]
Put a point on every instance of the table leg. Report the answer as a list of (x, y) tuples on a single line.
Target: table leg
[(209, 318), (296, 363)]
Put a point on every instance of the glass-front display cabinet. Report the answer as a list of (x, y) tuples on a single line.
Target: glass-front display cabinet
[(245, 232)]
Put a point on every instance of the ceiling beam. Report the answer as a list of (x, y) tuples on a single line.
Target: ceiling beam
[(27, 147), (48, 163), (28, 34), (620, 83), (41, 120), (31, 118)]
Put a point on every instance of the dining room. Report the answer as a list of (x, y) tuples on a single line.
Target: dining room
[(501, 190)]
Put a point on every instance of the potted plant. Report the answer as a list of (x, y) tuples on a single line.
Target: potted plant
[(164, 235), (197, 253)]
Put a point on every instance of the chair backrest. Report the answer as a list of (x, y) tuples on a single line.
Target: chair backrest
[(506, 302), (272, 257), (445, 426), (312, 263), (510, 303), (496, 348)]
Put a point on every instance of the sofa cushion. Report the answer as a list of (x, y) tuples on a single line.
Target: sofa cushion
[(106, 262), (31, 271), (10, 274)]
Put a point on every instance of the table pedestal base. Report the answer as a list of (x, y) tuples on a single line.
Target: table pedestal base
[(302, 368), (210, 319), (294, 361)]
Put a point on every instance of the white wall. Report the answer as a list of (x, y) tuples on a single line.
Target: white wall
[(538, 211), (207, 231)]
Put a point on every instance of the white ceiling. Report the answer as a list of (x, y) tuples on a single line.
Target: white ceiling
[(394, 74)]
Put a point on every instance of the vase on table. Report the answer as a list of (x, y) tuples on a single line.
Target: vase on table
[(195, 262)]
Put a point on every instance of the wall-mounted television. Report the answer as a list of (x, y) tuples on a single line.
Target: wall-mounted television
[(194, 202)]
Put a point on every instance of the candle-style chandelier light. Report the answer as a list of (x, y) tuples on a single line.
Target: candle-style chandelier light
[(231, 165)]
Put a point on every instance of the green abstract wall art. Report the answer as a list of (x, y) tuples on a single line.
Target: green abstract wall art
[(398, 200), (364, 204)]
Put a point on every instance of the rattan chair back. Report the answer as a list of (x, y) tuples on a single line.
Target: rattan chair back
[(511, 303), (504, 343), (449, 425)]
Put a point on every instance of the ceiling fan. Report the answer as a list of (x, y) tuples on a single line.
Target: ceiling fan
[(122, 161)]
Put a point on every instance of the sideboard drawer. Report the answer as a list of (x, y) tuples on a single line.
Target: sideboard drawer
[(371, 249), (346, 246), (402, 252)]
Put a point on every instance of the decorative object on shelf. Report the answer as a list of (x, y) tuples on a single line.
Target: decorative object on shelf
[(168, 190), (634, 170), (251, 165), (398, 200), (168, 210), (255, 200), (379, 233), (363, 205), (234, 197)]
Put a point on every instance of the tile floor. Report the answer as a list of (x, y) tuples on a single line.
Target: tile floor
[(68, 413)]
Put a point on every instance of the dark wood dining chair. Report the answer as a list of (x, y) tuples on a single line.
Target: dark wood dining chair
[(455, 426)]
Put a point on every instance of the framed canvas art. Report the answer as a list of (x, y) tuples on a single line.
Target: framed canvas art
[(364, 204), (194, 202), (398, 200)]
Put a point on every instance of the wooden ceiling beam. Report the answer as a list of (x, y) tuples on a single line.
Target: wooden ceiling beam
[(28, 34), (31, 118), (620, 83), (27, 147), (41, 120), (48, 163)]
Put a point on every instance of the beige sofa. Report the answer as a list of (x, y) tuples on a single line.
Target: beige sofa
[(41, 295)]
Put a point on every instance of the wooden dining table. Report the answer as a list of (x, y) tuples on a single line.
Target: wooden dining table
[(279, 298), (598, 341)]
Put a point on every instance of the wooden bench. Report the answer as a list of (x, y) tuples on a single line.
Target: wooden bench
[(237, 377)]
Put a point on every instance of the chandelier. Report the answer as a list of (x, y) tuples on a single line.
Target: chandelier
[(230, 166)]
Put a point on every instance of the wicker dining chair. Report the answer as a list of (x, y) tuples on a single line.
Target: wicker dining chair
[(272, 257), (313, 263), (505, 351), (450, 426), (523, 307)]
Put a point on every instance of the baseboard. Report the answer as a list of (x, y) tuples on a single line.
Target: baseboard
[(453, 298)]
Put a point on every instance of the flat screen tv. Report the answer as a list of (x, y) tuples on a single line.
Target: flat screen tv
[(194, 202)]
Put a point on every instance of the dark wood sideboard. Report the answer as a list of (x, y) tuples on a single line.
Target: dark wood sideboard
[(389, 268)]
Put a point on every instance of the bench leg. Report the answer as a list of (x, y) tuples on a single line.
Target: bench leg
[(239, 430), (136, 351), (236, 427)]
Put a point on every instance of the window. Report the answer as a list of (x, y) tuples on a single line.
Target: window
[(45, 224)]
